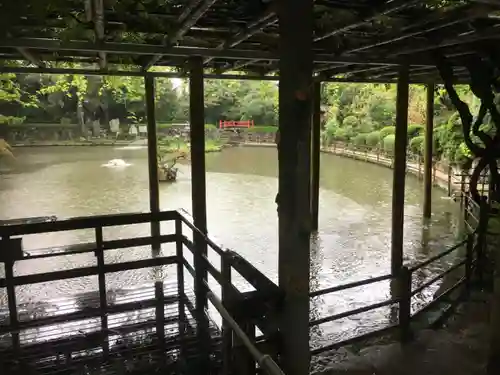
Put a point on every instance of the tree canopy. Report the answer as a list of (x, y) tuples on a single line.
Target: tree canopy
[(363, 114)]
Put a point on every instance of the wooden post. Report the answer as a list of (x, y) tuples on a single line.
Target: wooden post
[(450, 172), (399, 165), (179, 249), (429, 129), (101, 277), (404, 281), (12, 304), (295, 105), (315, 154), (199, 202), (469, 260), (227, 334), (154, 191)]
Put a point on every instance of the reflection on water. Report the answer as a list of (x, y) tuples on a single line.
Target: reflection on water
[(353, 242)]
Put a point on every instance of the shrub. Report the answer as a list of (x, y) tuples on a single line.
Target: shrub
[(341, 135), (415, 130), (462, 154), (350, 122), (388, 143), (417, 145), (373, 139), (359, 140), (385, 131)]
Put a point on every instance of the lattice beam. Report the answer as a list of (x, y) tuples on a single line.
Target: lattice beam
[(191, 14), (267, 19)]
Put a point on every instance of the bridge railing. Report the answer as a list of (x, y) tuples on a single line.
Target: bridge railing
[(405, 287), (236, 124)]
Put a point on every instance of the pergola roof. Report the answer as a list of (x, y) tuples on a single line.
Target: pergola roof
[(357, 40)]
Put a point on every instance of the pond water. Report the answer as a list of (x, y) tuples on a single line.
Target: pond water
[(353, 241)]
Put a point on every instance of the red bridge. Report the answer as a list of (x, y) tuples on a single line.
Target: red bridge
[(236, 124)]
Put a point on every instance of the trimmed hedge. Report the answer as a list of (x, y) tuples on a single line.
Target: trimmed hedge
[(417, 144), (373, 139), (388, 143), (385, 131), (359, 140)]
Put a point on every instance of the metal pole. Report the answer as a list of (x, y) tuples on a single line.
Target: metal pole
[(429, 129), (294, 154), (398, 188), (199, 202), (154, 191), (315, 154)]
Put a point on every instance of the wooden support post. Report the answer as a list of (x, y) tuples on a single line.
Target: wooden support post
[(404, 292), (295, 107), (101, 277), (398, 187), (154, 190), (199, 204), (469, 260), (160, 314), (429, 129), (12, 304), (450, 172), (227, 334), (315, 155), (180, 285)]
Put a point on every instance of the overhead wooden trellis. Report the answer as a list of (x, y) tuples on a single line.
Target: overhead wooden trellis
[(356, 40)]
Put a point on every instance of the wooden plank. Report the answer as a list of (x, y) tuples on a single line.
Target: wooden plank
[(89, 271), (85, 223)]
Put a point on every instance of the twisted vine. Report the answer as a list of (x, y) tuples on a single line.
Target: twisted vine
[(483, 85)]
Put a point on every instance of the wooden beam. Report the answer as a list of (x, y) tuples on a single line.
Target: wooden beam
[(98, 17), (31, 57), (154, 190), (267, 19), (148, 49), (399, 175), (294, 159), (315, 155), (394, 7), (399, 36), (192, 13), (429, 129), (238, 65)]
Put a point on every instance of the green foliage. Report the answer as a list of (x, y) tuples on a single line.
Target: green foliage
[(417, 144), (387, 130), (350, 124), (341, 135), (388, 143), (263, 129), (361, 113), (415, 130), (373, 139), (359, 140)]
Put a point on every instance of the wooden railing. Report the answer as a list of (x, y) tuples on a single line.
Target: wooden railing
[(405, 289), (236, 124), (240, 311), (250, 310), (244, 299)]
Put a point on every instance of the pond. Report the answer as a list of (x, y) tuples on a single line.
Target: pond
[(353, 241)]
